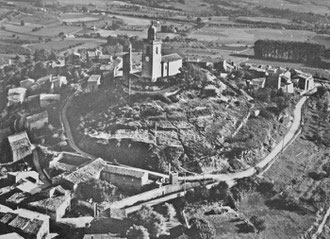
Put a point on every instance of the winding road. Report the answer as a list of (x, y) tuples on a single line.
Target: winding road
[(230, 177)]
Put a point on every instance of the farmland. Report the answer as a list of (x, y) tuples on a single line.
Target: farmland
[(248, 36)]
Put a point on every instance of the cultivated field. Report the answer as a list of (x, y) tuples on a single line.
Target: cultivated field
[(303, 6), (248, 35)]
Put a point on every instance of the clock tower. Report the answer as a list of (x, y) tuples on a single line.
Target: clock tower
[(151, 56)]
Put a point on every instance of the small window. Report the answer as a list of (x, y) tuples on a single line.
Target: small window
[(156, 50)]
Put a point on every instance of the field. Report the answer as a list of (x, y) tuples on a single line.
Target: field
[(248, 36), (265, 19), (303, 6)]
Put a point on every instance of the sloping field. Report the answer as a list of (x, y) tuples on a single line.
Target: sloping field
[(250, 35)]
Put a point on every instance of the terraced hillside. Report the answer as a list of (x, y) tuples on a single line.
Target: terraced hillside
[(202, 129)]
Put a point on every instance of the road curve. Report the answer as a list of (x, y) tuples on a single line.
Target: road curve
[(290, 135), (67, 129), (231, 177)]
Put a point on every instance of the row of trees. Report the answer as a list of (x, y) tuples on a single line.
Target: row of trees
[(304, 52)]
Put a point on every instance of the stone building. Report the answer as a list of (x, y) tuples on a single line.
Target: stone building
[(154, 65), (16, 96), (28, 224), (37, 121), (56, 203), (93, 83), (125, 178), (20, 146)]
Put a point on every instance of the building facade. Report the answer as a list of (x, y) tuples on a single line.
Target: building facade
[(154, 65)]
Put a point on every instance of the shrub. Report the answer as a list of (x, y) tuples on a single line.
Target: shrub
[(201, 229), (137, 232), (148, 218)]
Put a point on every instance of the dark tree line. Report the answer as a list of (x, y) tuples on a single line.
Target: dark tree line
[(303, 52)]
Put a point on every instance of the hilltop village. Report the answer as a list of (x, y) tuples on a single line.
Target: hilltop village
[(56, 188), (140, 138)]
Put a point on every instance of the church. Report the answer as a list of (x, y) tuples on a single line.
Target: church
[(154, 64)]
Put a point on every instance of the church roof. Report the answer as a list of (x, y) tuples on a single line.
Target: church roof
[(171, 57)]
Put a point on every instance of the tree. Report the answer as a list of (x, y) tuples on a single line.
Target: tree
[(220, 191), (137, 232), (259, 223), (39, 70), (148, 218), (41, 55), (52, 56), (98, 190), (170, 211), (201, 229)]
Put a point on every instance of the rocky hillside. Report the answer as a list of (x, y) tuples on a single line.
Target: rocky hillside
[(201, 129)]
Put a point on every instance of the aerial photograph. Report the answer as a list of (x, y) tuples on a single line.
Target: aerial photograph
[(165, 119)]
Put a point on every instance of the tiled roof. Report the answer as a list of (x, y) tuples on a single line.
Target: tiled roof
[(49, 204), (93, 78), (19, 222), (27, 80), (86, 172), (17, 198), (171, 57), (131, 172), (36, 117), (33, 227), (8, 217), (18, 141), (16, 91)]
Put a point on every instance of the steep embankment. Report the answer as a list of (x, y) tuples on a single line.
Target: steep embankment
[(193, 129)]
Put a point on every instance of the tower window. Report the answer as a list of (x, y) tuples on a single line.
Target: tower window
[(156, 50)]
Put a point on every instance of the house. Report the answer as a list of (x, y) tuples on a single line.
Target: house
[(56, 203), (20, 145), (104, 59), (171, 65), (125, 178), (93, 55), (27, 83), (57, 64), (154, 64), (17, 198), (15, 177), (280, 81), (93, 83), (28, 224), (44, 80), (16, 96), (67, 161), (49, 99), (304, 81), (28, 187), (256, 83), (83, 174), (225, 66), (37, 121), (57, 82)]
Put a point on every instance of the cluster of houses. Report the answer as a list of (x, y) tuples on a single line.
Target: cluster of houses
[(279, 78), (42, 203)]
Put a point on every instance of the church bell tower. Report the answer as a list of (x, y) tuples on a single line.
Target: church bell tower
[(151, 56)]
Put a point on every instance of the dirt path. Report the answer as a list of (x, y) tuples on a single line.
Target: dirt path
[(321, 226)]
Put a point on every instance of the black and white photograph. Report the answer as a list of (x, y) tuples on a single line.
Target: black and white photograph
[(165, 119)]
